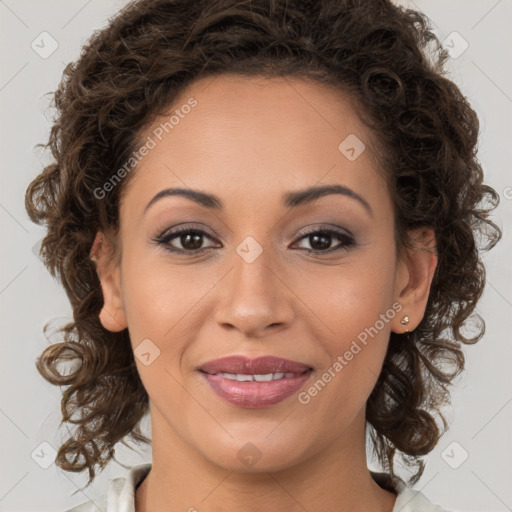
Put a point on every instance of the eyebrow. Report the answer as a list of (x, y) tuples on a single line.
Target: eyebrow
[(290, 199)]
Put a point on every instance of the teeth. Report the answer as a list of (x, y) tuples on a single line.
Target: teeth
[(267, 377), (242, 378)]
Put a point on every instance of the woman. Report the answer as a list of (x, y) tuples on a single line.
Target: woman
[(265, 215)]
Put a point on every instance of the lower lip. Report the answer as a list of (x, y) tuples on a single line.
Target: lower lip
[(254, 394)]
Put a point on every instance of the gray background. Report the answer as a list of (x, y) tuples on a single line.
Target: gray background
[(481, 410)]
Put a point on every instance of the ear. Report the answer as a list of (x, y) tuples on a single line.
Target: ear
[(112, 314), (415, 271)]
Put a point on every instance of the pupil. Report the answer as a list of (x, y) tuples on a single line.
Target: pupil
[(186, 241), (324, 241), (193, 241)]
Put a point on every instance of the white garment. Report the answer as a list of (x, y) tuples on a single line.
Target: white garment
[(121, 494)]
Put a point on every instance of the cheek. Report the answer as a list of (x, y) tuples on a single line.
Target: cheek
[(157, 296), (354, 303), (350, 297), (164, 304), (158, 303), (359, 329)]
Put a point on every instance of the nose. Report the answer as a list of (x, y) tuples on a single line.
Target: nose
[(254, 297)]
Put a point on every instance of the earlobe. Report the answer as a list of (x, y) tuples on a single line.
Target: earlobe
[(414, 278), (112, 314)]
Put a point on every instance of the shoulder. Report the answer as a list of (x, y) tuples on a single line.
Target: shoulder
[(90, 506), (121, 493), (408, 499)]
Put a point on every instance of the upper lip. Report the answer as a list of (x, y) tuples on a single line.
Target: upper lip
[(248, 366)]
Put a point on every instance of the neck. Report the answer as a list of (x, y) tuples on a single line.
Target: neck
[(335, 478)]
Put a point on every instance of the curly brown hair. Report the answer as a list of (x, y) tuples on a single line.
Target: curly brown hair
[(391, 65)]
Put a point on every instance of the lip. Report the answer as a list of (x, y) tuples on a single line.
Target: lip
[(261, 365), (254, 394)]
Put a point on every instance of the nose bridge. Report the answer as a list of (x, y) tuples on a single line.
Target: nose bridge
[(253, 272), (253, 264), (254, 296), (254, 258)]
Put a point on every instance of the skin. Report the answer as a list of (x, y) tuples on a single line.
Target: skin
[(249, 141)]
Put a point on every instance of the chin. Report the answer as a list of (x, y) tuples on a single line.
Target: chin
[(256, 453)]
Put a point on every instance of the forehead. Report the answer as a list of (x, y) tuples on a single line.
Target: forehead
[(234, 135)]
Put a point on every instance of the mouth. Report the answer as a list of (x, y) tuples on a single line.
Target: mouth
[(257, 377), (254, 383), (264, 365)]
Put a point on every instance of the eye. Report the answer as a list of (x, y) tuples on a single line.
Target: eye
[(321, 240), (189, 240)]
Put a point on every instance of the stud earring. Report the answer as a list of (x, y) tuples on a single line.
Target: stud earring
[(405, 320)]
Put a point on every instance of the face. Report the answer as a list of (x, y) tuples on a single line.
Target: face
[(258, 272)]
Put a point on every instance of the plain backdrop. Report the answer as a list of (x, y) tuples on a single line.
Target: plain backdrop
[(469, 470)]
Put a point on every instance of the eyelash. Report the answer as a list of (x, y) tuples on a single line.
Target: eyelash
[(347, 240)]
